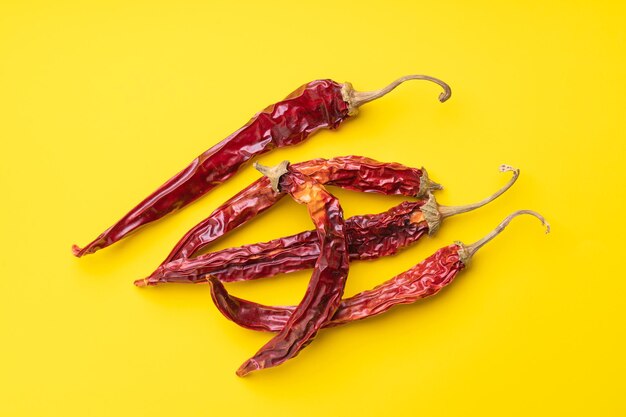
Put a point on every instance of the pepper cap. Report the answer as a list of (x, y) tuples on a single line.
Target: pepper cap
[(273, 173)]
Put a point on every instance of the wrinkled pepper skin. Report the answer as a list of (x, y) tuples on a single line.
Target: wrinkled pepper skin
[(313, 106), (366, 175), (368, 237), (349, 172), (327, 282), (423, 280)]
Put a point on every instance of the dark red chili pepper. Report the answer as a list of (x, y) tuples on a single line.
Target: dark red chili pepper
[(316, 105), (423, 280), (328, 280), (349, 172), (368, 237)]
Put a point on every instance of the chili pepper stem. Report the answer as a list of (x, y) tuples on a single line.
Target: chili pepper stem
[(356, 99), (447, 211), (426, 184), (434, 213), (469, 250), (273, 173)]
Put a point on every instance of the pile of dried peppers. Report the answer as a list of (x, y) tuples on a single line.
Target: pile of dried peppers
[(333, 243)]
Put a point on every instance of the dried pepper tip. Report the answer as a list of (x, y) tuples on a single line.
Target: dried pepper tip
[(249, 366), (356, 99), (434, 213), (144, 282), (273, 173), (467, 251)]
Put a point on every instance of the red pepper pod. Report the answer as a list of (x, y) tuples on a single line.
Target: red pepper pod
[(325, 288), (423, 280), (316, 105), (350, 172), (366, 175), (368, 237)]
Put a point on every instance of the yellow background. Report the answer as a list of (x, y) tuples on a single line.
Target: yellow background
[(100, 103)]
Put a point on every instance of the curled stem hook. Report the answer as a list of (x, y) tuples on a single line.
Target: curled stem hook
[(447, 211), (358, 98), (471, 249)]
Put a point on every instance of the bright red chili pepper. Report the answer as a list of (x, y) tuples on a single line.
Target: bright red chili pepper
[(350, 172), (423, 280), (328, 280), (316, 105), (368, 237)]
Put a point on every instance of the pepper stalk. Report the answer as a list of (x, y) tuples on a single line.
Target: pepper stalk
[(467, 251), (356, 99), (434, 213)]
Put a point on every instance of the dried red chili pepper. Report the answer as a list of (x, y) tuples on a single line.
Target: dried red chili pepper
[(316, 105), (368, 237), (423, 280), (328, 280), (350, 172), (365, 235)]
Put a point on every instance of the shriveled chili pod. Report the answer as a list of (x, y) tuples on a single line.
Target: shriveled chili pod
[(368, 237), (316, 105), (349, 172), (423, 280), (328, 280)]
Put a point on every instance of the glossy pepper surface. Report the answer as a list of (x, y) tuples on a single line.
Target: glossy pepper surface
[(423, 280), (368, 237), (325, 289), (316, 105), (349, 172)]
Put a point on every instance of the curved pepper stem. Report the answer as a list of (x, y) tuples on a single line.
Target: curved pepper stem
[(358, 98), (470, 250), (434, 213), (447, 211)]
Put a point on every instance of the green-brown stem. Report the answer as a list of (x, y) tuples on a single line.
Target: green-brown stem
[(434, 213), (469, 250), (427, 185), (447, 211), (356, 99)]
